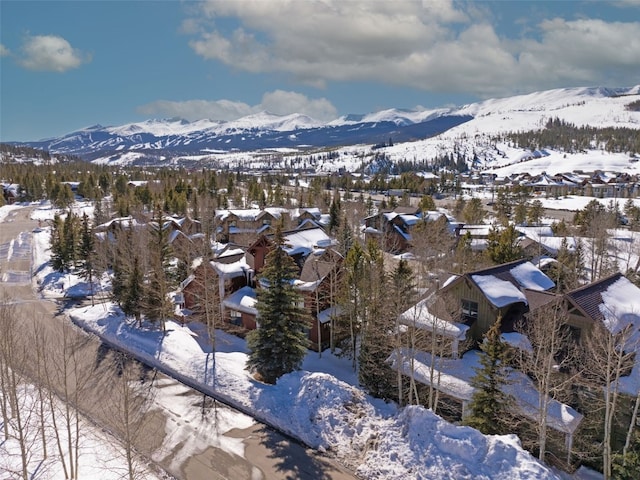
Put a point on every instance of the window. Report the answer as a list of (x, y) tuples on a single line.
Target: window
[(266, 221), (235, 318), (300, 304), (470, 309)]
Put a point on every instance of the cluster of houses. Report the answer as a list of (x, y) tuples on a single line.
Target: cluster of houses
[(459, 313), (593, 184)]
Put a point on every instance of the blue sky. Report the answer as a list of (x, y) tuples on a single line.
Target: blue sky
[(65, 65)]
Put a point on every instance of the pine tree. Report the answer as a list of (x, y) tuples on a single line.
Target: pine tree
[(489, 404), (87, 253), (474, 212), (71, 239), (536, 210), (279, 344), (502, 245), (157, 304), (334, 214), (59, 260), (378, 324), (427, 203), (133, 291)]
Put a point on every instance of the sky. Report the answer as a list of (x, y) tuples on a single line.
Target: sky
[(66, 65)]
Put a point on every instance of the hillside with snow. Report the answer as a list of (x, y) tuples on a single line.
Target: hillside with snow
[(475, 132)]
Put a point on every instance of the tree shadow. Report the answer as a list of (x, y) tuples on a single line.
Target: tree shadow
[(293, 459)]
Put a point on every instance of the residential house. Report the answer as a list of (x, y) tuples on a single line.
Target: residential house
[(231, 224), (11, 193), (298, 244), (218, 281), (233, 270), (478, 298), (393, 230), (318, 283), (613, 300)]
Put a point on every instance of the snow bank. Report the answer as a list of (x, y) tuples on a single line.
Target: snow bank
[(419, 444)]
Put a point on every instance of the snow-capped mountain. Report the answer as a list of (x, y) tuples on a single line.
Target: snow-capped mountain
[(470, 130), (260, 131)]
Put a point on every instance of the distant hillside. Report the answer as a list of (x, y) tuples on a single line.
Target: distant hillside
[(495, 135), (10, 153)]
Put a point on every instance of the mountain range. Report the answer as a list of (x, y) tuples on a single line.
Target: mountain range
[(408, 133)]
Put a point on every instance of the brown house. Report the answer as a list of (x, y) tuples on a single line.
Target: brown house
[(222, 279), (318, 284), (611, 300), (254, 221), (481, 296)]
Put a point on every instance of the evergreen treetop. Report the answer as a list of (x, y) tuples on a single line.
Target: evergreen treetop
[(489, 404), (279, 344)]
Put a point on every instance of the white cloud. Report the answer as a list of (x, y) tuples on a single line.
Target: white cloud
[(627, 3), (283, 103), (197, 109), (279, 102), (50, 53), (434, 45), (4, 51)]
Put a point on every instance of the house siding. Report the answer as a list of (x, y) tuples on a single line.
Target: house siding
[(487, 314)]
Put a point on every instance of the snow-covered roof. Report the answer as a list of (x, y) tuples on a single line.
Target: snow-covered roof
[(476, 230), (296, 212), (449, 280), (543, 261), (231, 270), (325, 315), (453, 377), (305, 240), (517, 340), (499, 292), (121, 221), (503, 284), (544, 180), (249, 214), (419, 316), (243, 300), (531, 277), (535, 232), (409, 219), (432, 216), (620, 308), (553, 244)]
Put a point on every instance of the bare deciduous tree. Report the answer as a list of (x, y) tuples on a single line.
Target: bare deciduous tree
[(552, 352)]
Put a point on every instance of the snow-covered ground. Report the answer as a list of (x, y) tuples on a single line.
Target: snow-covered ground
[(101, 456), (321, 404)]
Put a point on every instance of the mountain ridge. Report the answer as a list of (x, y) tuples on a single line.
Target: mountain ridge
[(265, 131)]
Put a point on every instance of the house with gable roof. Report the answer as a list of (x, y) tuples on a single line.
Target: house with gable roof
[(253, 221), (298, 245), (481, 296), (394, 230), (318, 284), (319, 269), (613, 301), (226, 275)]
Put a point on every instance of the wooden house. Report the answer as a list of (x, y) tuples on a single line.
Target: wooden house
[(318, 283), (214, 280), (478, 298)]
